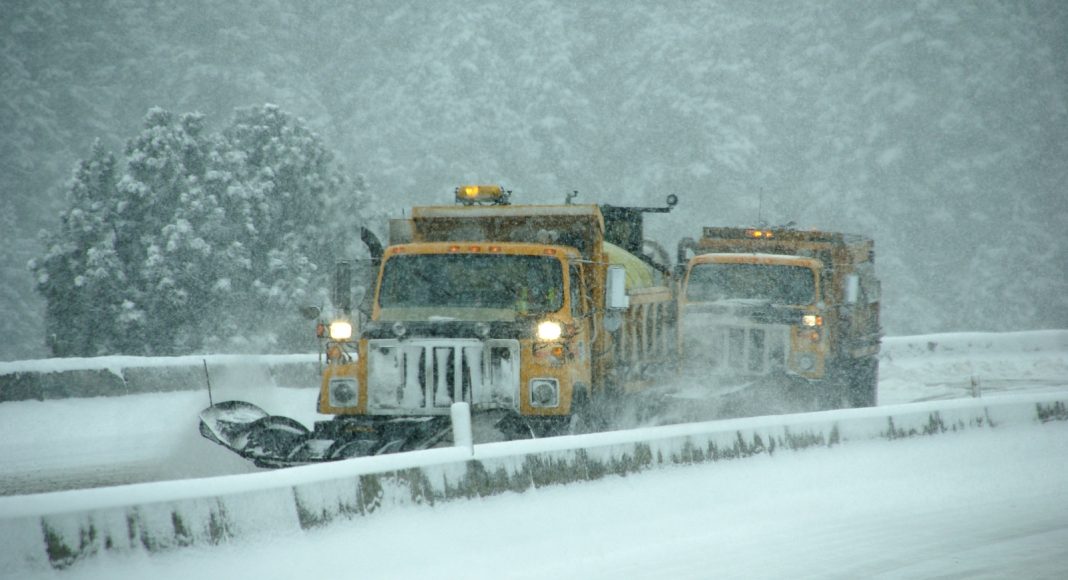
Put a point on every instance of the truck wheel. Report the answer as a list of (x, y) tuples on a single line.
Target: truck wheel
[(833, 393), (584, 417), (863, 386)]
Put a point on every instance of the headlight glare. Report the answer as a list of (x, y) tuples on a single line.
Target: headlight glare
[(340, 330), (549, 330)]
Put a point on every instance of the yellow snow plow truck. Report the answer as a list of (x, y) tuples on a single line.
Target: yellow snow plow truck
[(531, 314), (790, 310)]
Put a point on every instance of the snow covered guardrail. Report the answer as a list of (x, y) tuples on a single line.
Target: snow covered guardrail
[(62, 378), (59, 529)]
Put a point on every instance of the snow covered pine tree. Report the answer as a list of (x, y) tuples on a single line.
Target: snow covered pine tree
[(198, 242)]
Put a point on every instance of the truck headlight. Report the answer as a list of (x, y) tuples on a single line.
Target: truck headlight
[(344, 392), (544, 393), (340, 330), (549, 330)]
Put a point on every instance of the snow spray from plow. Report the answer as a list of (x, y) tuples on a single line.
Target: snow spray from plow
[(63, 528)]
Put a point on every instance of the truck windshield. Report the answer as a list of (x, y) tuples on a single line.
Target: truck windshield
[(502, 281), (773, 283)]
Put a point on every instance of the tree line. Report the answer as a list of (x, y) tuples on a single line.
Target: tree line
[(940, 129)]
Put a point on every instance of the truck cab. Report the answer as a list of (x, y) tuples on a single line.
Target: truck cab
[(526, 312), (753, 314), (793, 309)]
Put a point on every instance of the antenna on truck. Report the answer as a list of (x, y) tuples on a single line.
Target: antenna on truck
[(760, 208), (208, 378)]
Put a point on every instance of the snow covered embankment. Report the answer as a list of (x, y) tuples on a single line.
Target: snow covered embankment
[(62, 528), (967, 364), (61, 378)]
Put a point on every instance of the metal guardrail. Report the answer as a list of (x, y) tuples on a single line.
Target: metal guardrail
[(62, 528), (49, 379)]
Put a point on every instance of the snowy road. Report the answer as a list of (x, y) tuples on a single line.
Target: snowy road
[(76, 443), (976, 504)]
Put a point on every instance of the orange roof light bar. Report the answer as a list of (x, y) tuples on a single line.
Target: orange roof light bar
[(759, 234), (471, 194)]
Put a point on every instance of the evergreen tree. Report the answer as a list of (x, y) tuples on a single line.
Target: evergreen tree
[(295, 213), (202, 241), (80, 276)]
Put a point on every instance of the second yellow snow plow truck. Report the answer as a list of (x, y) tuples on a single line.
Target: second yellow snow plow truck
[(528, 313), (790, 310)]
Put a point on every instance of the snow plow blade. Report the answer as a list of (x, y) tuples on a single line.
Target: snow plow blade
[(227, 422), (277, 441), (250, 432)]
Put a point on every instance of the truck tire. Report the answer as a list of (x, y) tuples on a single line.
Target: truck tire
[(851, 383), (863, 385)]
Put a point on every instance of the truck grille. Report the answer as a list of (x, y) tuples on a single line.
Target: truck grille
[(425, 376), (742, 350)]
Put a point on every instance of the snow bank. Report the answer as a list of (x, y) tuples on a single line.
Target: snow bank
[(946, 366), (974, 343), (59, 378), (62, 528)]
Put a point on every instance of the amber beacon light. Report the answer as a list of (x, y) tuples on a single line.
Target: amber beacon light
[(471, 194)]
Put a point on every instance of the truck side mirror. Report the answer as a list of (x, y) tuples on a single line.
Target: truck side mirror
[(363, 304), (851, 292), (616, 289), (343, 287)]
